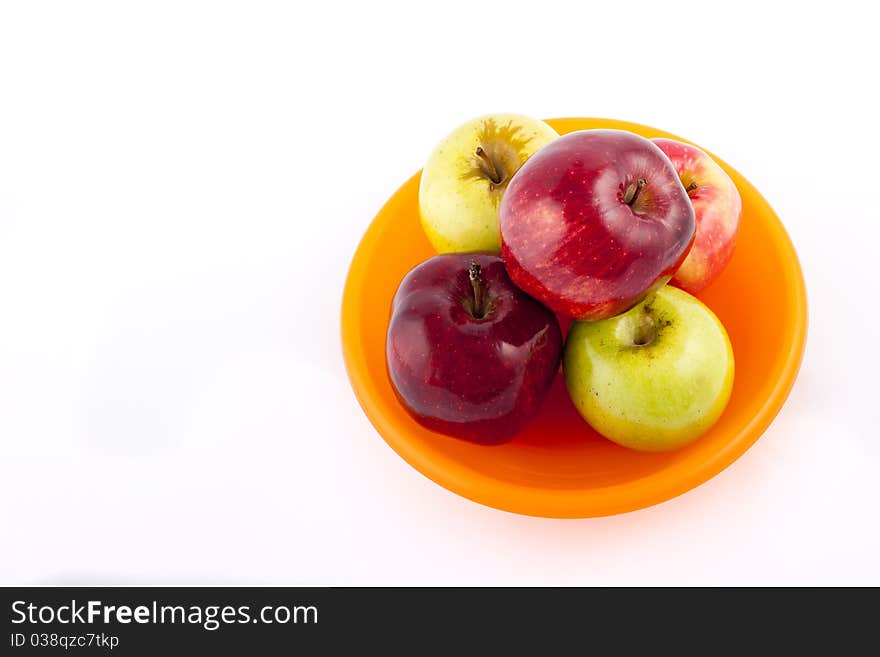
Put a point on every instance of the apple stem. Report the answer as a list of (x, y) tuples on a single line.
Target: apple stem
[(693, 186), (474, 273), (645, 332), (632, 191), (487, 166)]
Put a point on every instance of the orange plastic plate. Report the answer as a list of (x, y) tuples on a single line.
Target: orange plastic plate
[(559, 467)]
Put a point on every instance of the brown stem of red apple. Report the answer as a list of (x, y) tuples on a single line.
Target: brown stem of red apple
[(487, 166), (632, 191), (478, 309)]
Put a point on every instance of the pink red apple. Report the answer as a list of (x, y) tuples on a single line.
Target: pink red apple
[(469, 354), (595, 221), (717, 205)]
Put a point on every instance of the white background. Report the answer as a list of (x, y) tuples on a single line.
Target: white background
[(182, 187)]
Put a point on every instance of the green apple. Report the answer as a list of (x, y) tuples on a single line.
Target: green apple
[(654, 378), (466, 175)]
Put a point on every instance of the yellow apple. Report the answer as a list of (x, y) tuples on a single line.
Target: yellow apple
[(466, 175), (654, 378)]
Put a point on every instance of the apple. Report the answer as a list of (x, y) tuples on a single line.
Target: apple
[(466, 176), (717, 205), (655, 378), (594, 222), (469, 354)]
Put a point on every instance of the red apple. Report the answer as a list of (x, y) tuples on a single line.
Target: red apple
[(717, 206), (469, 354), (594, 222)]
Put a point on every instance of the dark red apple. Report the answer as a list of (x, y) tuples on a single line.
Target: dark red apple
[(594, 222), (469, 354)]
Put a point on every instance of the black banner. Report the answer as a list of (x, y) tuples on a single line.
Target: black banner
[(150, 621)]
